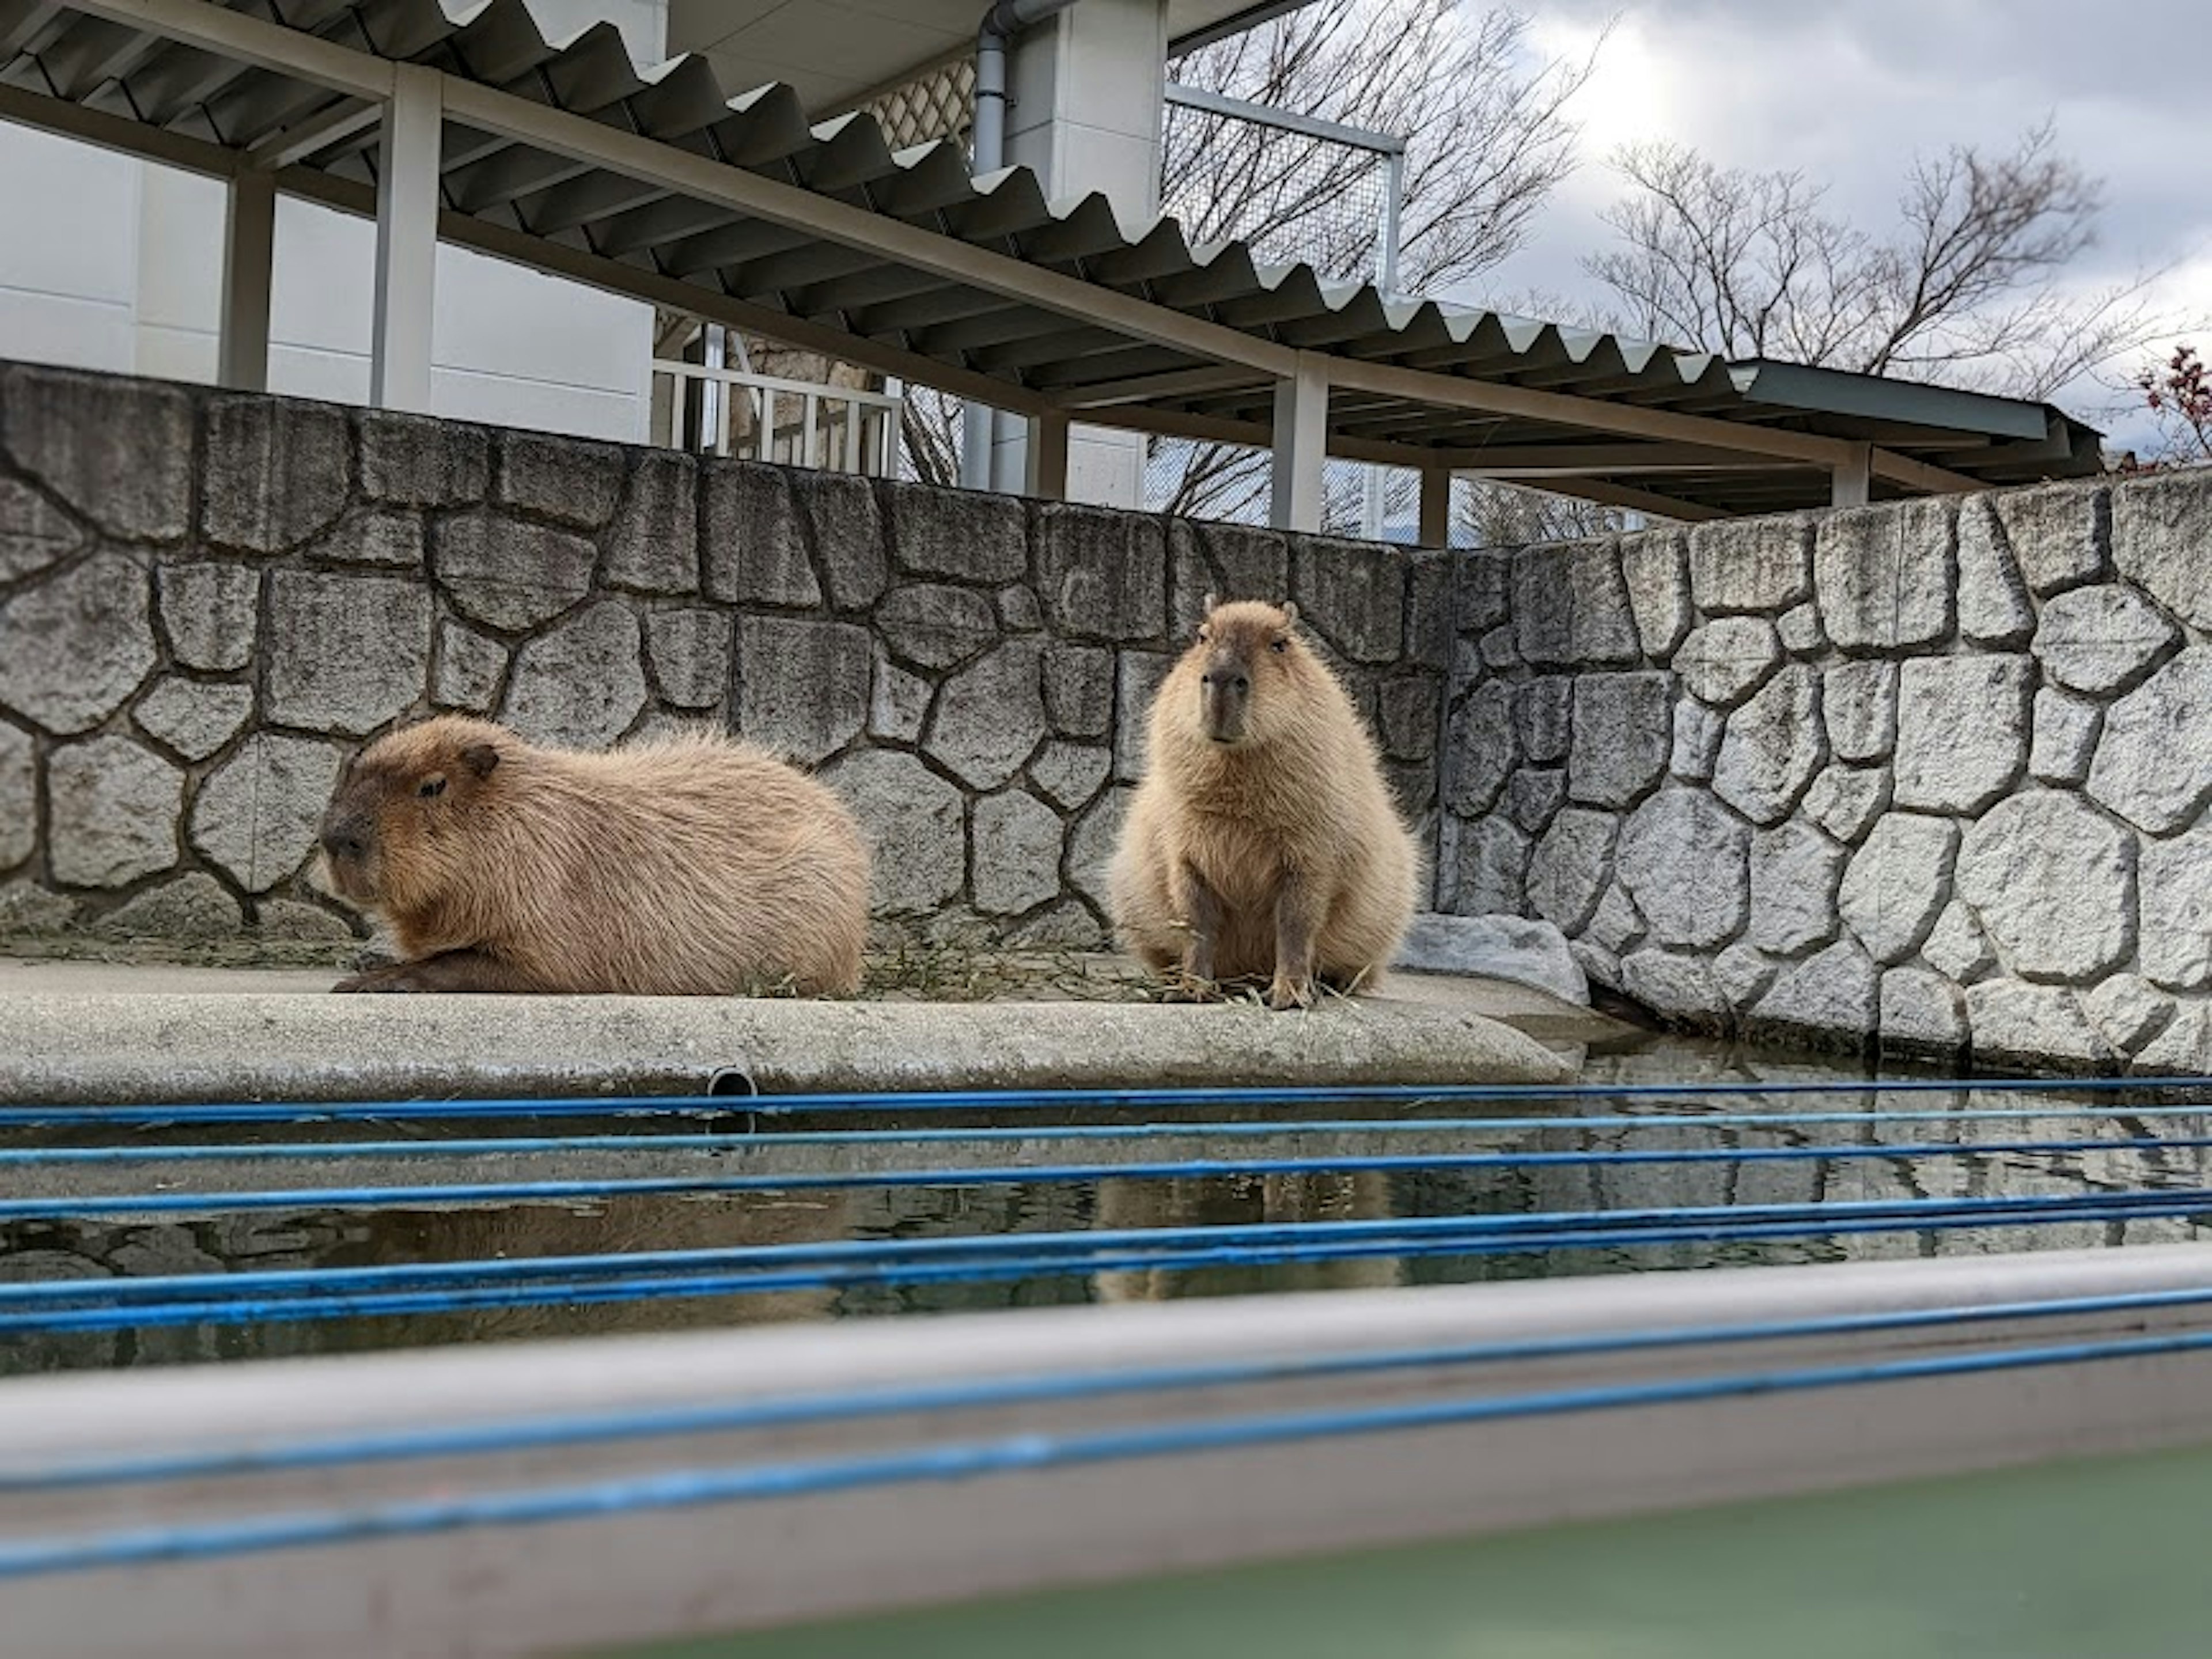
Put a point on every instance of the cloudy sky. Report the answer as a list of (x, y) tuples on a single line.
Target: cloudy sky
[(1849, 92)]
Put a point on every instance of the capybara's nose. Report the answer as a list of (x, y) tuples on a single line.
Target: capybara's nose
[(343, 842)]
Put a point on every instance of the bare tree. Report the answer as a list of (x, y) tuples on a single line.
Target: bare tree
[(1969, 289)]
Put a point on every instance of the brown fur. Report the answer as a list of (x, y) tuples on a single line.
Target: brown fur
[(1262, 842), (683, 866)]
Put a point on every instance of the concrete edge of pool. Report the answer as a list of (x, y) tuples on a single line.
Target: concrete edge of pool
[(628, 1574), (76, 1048)]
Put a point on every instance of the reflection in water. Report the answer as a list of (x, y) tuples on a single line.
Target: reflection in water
[(338, 1238)]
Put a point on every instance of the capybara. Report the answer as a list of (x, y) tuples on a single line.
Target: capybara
[(1262, 842), (681, 866)]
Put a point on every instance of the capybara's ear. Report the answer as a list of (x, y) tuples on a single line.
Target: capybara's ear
[(1290, 610), (1208, 604), (480, 758)]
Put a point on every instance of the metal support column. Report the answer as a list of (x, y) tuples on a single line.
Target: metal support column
[(249, 253), (407, 202), (1045, 458), (1301, 444), (1436, 506), (1853, 479)]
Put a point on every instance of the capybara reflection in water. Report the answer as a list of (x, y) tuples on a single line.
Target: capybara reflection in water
[(1262, 842), (682, 866)]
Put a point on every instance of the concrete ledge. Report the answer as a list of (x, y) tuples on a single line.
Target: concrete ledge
[(87, 1049)]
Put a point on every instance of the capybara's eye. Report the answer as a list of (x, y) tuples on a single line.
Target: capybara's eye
[(1203, 636), (1282, 645), (432, 786)]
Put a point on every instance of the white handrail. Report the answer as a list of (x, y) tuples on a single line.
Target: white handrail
[(844, 428)]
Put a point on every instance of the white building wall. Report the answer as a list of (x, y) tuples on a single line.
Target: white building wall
[(115, 263)]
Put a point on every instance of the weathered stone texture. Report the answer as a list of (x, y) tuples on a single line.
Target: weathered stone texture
[(1230, 561), (964, 533), (1543, 717), (1724, 661), (1485, 868), (1762, 565), (1795, 869), (1962, 731), (653, 545), (35, 533), (1774, 746), (2176, 881), (690, 650), (1616, 924), (913, 821), (2101, 639), (191, 718), (193, 907), (1532, 798), (2153, 764), (1922, 1009), (1885, 575), (1079, 690), (898, 702), (934, 626), (1957, 947), (1683, 859), (2054, 883), (1697, 746), (1102, 575), (75, 646), (1993, 603), (2066, 731), (564, 479), (1801, 632), (1744, 974), (19, 797), (2127, 1010), (1137, 677), (1485, 598), (418, 462), (2160, 528), (1407, 712), (1018, 847), (581, 685), (1679, 986), (2015, 1021), (1353, 594), (392, 537), (1090, 846), (804, 687), (276, 473), (257, 815), (841, 520), (1571, 607), (1858, 699), (470, 671), (347, 654), (1069, 773), (510, 573), (1656, 566), (1571, 866), (118, 452), (1898, 883), (1844, 800), (1834, 991), (990, 717), (2060, 534), (1623, 738), (1479, 754)]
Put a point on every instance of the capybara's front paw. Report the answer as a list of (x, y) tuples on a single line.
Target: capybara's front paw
[(1191, 987), (400, 976), (1286, 992)]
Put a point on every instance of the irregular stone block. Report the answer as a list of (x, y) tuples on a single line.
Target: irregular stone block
[(1532, 953), (913, 819), (1697, 747), (2101, 639), (193, 907), (1428, 606), (19, 797), (1065, 927), (962, 533), (1229, 561), (257, 815), (1090, 846), (989, 717), (1531, 798), (1834, 992), (653, 545), (1571, 868), (468, 670), (347, 653), (1674, 985), (1485, 598), (192, 719), (1844, 800), (1571, 607), (1724, 662), (1407, 711), (1543, 715), (1800, 630), (2160, 526), (292, 922), (117, 452), (1922, 1009), (1884, 574), (581, 685), (935, 626), (2176, 878), (2013, 1021), (1616, 924), (2054, 883), (1353, 595), (510, 573), (207, 612), (1956, 947), (804, 687), (1498, 650), (2127, 1011), (690, 650), (567, 480), (75, 646), (1683, 858), (418, 462), (375, 536), (1600, 965), (1102, 575), (1795, 872), (1137, 681), (1993, 607), (1774, 744), (35, 533), (899, 702), (1962, 731), (1019, 611), (1623, 738), (2066, 731), (1898, 883), (1485, 868), (1069, 773), (2061, 534), (26, 909), (277, 473), (2182, 1049), (1858, 699), (839, 510), (755, 554), (1743, 975), (1480, 752), (1761, 566), (1018, 847), (1079, 690), (2153, 764), (1656, 566)]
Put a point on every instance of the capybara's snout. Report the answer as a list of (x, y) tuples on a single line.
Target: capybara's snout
[(1225, 691)]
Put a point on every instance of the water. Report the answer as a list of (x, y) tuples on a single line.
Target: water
[(312, 1236)]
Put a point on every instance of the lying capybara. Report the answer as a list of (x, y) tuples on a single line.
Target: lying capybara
[(683, 866), (1262, 842)]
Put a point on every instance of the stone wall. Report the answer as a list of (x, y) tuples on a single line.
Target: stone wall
[(206, 600), (1934, 771)]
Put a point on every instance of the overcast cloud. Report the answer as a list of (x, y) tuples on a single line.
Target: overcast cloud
[(1849, 94)]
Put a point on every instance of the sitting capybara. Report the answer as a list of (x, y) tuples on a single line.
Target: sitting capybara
[(1262, 842), (684, 866)]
